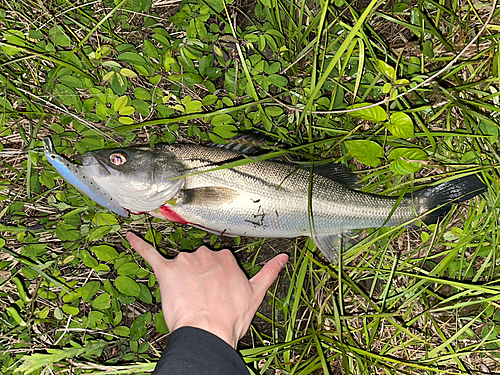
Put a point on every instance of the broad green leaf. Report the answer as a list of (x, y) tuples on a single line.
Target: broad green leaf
[(126, 120), (278, 80), (142, 94), (261, 41), (126, 111), (191, 78), (167, 62), (387, 70), (223, 119), (104, 219), (71, 81), (274, 67), (128, 73), (374, 114), (407, 160), (120, 103), (401, 81), (273, 110), (132, 58), (127, 286), (67, 96), (216, 139), (108, 77), (192, 106), (367, 152), (225, 131), (47, 179), (150, 49), (155, 80), (162, 39), (90, 289), (119, 84), (160, 324), (145, 295), (140, 5), (425, 236), (187, 64), (98, 233), (140, 326), (145, 71), (205, 63), (141, 107), (58, 314), (122, 331), (104, 252), (128, 269), (66, 232), (401, 125), (468, 157), (490, 130), (209, 99), (428, 48), (102, 302), (118, 314), (217, 5), (70, 310), (59, 37)]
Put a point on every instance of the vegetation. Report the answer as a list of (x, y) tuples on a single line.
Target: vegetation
[(406, 93)]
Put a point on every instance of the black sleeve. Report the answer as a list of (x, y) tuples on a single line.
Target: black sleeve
[(194, 351)]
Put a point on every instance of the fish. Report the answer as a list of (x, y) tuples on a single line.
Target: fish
[(183, 183)]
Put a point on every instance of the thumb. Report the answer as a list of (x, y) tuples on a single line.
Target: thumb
[(148, 252), (266, 276)]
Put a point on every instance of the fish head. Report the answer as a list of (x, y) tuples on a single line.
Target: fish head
[(133, 179), (140, 179)]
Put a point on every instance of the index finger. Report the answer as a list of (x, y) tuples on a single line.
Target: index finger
[(148, 252)]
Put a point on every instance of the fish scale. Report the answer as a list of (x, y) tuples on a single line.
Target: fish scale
[(263, 199)]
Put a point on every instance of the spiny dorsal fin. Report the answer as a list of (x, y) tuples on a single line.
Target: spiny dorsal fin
[(247, 143), (209, 195), (337, 172)]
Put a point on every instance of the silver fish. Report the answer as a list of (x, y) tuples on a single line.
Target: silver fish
[(262, 199)]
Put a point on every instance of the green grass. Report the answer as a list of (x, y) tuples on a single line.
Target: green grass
[(406, 94)]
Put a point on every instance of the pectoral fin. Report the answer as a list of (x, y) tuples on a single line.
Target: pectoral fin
[(209, 195)]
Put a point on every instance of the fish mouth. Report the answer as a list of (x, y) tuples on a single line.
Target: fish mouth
[(90, 161), (85, 160), (81, 177), (48, 148)]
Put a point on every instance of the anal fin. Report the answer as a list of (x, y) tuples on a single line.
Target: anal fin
[(331, 245)]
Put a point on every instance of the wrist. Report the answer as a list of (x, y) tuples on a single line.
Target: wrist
[(219, 330)]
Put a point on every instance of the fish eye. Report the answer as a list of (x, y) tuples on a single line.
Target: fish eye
[(117, 158)]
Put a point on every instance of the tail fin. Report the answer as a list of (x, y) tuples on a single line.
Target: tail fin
[(445, 195)]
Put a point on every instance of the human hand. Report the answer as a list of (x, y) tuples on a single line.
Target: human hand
[(208, 290)]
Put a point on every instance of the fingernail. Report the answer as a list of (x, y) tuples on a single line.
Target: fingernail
[(282, 261)]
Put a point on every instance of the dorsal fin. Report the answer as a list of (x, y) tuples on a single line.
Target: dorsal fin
[(248, 143), (338, 173)]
